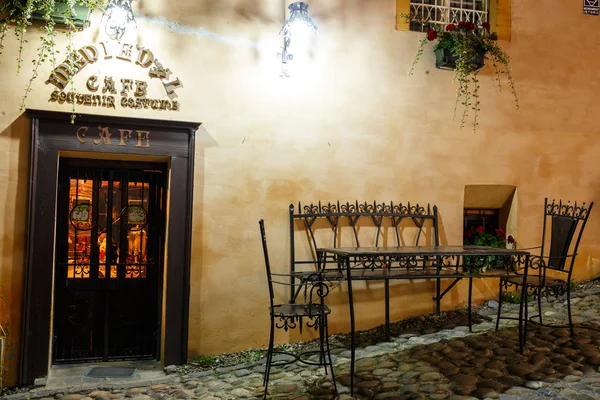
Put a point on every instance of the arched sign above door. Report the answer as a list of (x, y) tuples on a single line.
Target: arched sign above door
[(104, 91)]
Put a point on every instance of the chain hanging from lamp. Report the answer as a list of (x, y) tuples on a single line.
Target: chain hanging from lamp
[(298, 23), (117, 18)]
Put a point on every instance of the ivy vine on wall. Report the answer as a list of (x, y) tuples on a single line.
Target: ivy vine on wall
[(43, 15)]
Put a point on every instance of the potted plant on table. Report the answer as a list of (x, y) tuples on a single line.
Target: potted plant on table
[(464, 48), (479, 237)]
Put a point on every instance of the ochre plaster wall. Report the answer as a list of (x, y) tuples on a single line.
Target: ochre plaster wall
[(14, 172), (347, 125)]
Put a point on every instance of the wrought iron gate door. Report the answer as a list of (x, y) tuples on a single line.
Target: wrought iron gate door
[(110, 247)]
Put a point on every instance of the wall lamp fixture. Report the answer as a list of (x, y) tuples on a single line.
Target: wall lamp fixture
[(298, 26), (117, 18)]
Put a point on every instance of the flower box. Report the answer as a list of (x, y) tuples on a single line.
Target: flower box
[(81, 19), (445, 60)]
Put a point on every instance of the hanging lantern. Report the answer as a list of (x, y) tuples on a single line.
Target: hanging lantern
[(298, 27), (117, 18)]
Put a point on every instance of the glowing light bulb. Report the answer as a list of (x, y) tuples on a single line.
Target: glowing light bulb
[(118, 16), (300, 34)]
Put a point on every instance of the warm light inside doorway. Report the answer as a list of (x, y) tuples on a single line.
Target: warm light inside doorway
[(82, 201)]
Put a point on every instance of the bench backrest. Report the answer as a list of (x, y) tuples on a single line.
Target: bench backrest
[(358, 224)]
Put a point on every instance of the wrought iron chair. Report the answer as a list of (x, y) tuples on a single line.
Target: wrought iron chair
[(550, 273), (290, 316)]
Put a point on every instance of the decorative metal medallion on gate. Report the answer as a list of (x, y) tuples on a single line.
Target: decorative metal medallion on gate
[(136, 217), (81, 216)]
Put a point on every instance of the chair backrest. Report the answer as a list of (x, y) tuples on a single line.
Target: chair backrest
[(563, 222), (263, 236), (314, 287)]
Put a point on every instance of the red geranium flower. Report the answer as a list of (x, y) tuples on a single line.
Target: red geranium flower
[(470, 232), (462, 25), (486, 25), (480, 229), (431, 35), (450, 27), (510, 239), (470, 26), (501, 233)]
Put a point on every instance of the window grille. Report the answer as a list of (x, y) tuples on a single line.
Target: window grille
[(488, 218), (427, 14)]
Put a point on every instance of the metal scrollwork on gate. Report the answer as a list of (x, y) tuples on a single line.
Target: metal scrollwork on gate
[(136, 217), (79, 311), (81, 217)]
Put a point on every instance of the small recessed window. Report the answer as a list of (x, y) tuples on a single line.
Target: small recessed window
[(488, 209)]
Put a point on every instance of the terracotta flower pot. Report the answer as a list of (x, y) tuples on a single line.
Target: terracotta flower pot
[(445, 60)]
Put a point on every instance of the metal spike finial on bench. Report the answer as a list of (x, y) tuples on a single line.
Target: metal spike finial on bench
[(363, 208), (329, 208), (347, 208), (337, 209), (308, 209)]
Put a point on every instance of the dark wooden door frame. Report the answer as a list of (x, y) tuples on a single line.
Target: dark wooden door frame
[(52, 132)]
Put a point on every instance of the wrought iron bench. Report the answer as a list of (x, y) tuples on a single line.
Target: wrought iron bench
[(364, 225)]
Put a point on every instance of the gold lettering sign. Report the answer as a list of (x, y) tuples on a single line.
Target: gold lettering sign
[(137, 138), (133, 92)]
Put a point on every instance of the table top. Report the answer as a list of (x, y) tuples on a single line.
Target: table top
[(423, 251)]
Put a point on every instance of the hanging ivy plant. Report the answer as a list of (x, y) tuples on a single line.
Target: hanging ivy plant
[(48, 15), (464, 47)]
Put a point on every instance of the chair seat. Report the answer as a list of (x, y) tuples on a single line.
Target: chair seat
[(535, 281), (297, 310)]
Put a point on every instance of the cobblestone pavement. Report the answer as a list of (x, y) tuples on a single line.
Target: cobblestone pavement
[(449, 363)]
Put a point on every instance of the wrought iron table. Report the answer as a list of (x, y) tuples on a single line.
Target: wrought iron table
[(423, 262)]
